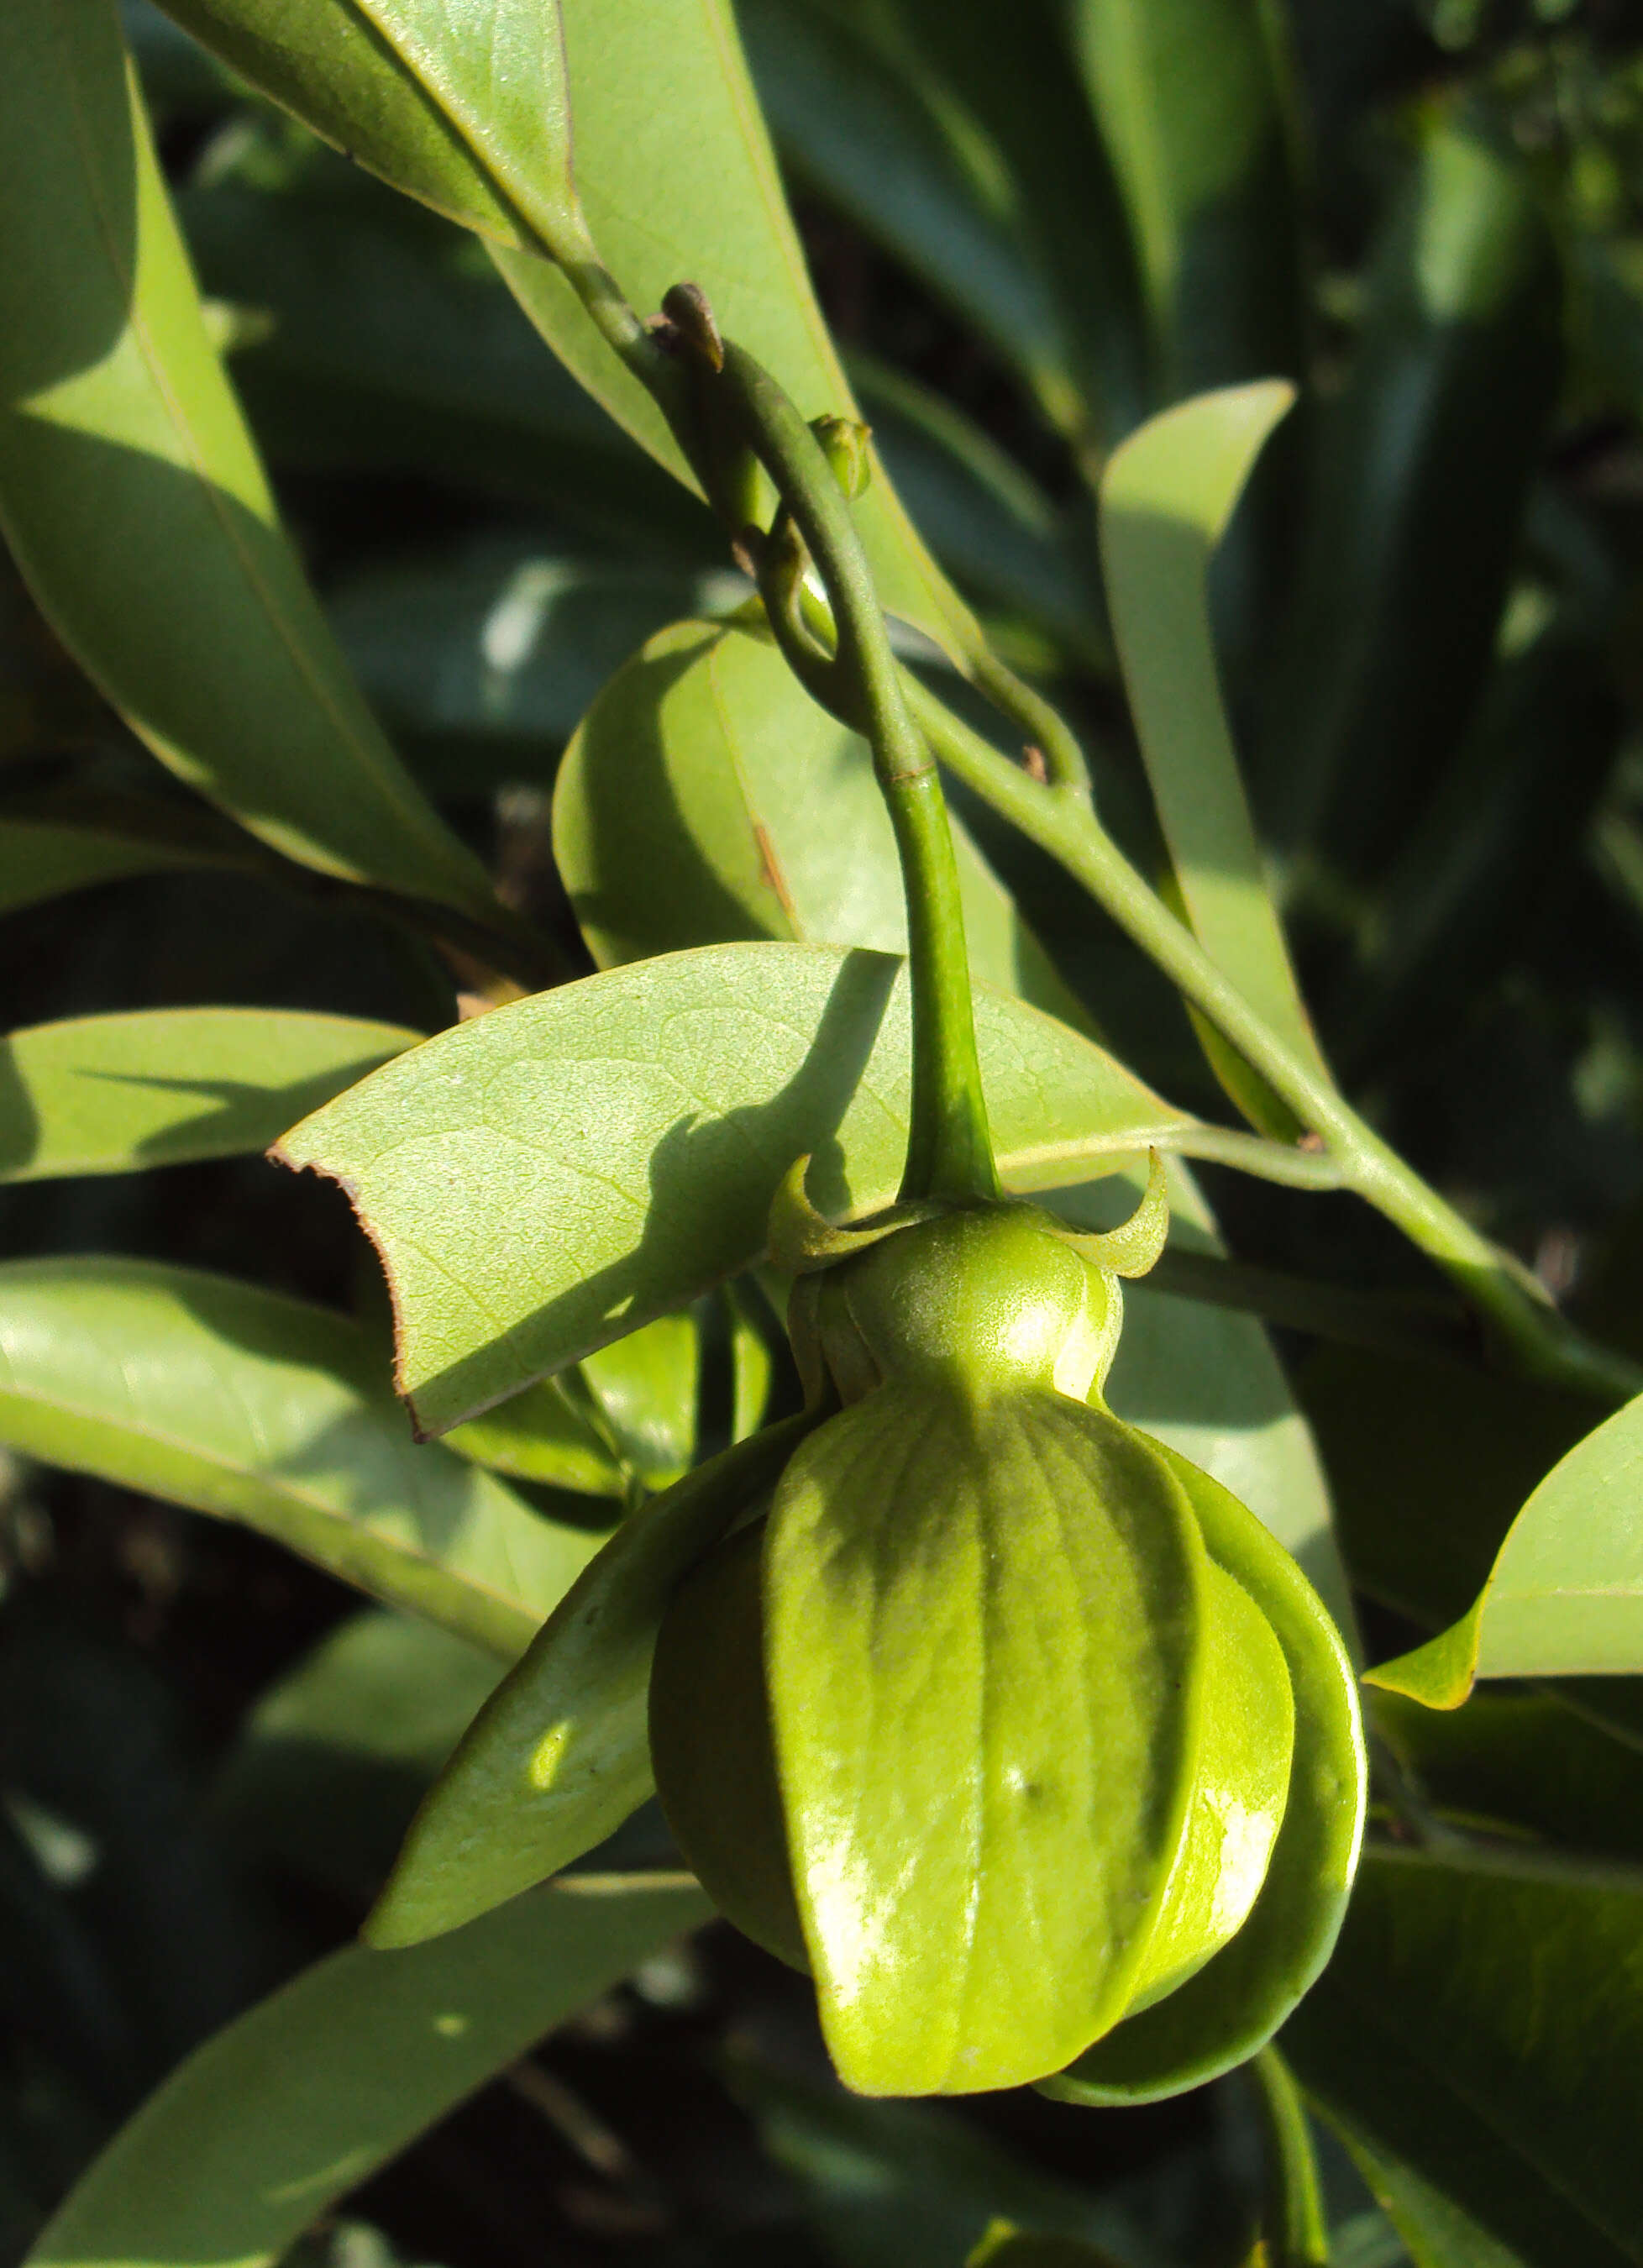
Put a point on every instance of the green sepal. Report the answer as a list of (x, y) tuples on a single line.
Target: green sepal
[(558, 1756), (984, 1624), (1237, 2001), (802, 1239), (1137, 1244)]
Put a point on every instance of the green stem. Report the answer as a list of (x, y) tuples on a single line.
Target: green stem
[(949, 1148), (1061, 823), (1297, 2227), (950, 1153)]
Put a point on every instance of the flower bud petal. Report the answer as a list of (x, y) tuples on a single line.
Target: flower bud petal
[(986, 1643)]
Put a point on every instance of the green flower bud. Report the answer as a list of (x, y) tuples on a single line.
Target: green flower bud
[(1017, 1731)]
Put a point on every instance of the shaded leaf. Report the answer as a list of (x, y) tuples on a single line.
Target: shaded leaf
[(644, 1387), (232, 2161), (548, 1434), (544, 1178), (108, 1094), (706, 798), (986, 519), (266, 1410), (1437, 2233), (324, 1775), (41, 859), (1509, 2083), (887, 148), (1564, 1596), (1423, 465), (382, 338), (1192, 98), (133, 499)]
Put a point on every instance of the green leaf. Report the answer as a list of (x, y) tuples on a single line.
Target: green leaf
[(267, 1410), (986, 519), (386, 341), (1167, 496), (1525, 1762), (547, 1434), (488, 661), (543, 1179), (1000, 88), (987, 1739), (1482, 2022), (560, 1755), (1424, 463), (1193, 100), (706, 798), (1564, 1596), (687, 188), (41, 859), (1437, 2233), (645, 1386), (112, 1094), (133, 499), (920, 176), (326, 1772), (294, 2105), (1429, 1464), (467, 110)]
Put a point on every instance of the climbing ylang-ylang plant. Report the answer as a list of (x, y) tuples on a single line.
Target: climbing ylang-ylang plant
[(1009, 1724)]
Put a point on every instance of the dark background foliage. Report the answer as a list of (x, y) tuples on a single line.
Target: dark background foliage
[(1429, 609)]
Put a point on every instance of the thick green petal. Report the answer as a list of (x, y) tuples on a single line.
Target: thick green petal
[(982, 1643), (1239, 1999)]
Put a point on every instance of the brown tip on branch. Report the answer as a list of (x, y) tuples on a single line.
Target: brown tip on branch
[(686, 307)]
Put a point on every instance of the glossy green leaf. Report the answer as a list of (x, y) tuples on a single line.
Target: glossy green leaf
[(1165, 499), (687, 188), (465, 109), (540, 1179), (1025, 1719), (1564, 1596), (560, 1755), (133, 499), (280, 2116), (110, 1094), (706, 798), (265, 1410), (1424, 462), (1482, 2022), (41, 859), (325, 1773), (1192, 98)]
